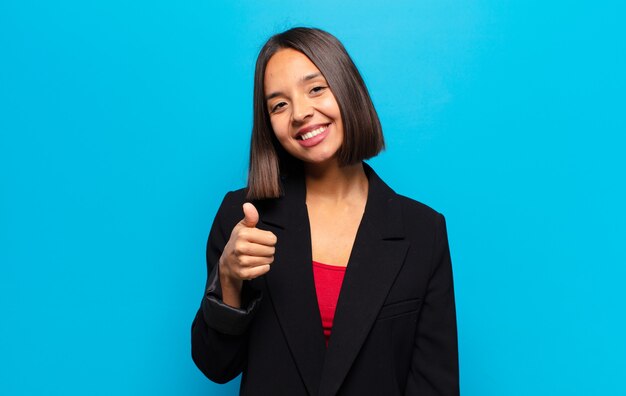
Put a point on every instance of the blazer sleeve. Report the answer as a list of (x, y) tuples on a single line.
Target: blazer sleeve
[(219, 332), (434, 367)]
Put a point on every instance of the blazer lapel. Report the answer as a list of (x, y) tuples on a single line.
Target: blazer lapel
[(290, 282), (377, 256)]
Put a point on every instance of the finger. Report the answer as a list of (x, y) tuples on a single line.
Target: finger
[(254, 261), (254, 249), (261, 237), (255, 272), (251, 215)]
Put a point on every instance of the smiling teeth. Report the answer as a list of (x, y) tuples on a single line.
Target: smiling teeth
[(313, 133)]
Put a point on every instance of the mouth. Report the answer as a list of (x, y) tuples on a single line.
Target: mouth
[(308, 133)]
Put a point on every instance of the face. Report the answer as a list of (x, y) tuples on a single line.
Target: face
[(303, 111)]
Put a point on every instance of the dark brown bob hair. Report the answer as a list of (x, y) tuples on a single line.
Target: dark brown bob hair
[(363, 136)]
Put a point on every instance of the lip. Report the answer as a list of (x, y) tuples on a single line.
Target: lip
[(309, 128), (315, 140)]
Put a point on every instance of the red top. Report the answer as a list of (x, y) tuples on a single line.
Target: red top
[(328, 280)]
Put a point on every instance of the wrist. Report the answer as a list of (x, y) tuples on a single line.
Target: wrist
[(226, 277), (231, 287)]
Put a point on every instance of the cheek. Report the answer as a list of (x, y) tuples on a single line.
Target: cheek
[(330, 105), (275, 125), (280, 128), (331, 109)]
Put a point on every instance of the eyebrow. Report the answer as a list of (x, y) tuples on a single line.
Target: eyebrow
[(306, 78)]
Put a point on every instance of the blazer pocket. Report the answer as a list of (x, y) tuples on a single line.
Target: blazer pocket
[(399, 308)]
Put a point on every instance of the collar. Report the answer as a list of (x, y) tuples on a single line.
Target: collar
[(382, 210)]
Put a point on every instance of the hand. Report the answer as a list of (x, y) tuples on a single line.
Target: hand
[(248, 254)]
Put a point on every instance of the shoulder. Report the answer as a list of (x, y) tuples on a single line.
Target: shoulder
[(419, 218), (414, 208), (233, 201), (234, 198), (230, 210), (414, 214)]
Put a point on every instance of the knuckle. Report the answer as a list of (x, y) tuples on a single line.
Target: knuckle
[(253, 273), (238, 273), (239, 248)]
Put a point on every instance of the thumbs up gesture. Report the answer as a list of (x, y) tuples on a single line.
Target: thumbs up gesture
[(247, 255)]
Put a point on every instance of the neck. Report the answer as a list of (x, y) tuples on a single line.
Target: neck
[(332, 182)]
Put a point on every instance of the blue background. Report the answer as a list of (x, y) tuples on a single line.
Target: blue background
[(122, 125)]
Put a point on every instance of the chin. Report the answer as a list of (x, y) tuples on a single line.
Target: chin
[(321, 160), (322, 156)]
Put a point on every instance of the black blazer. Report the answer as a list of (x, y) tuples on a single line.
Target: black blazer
[(394, 331)]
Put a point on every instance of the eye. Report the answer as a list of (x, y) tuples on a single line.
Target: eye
[(278, 106), (318, 89)]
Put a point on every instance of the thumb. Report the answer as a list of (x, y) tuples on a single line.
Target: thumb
[(251, 215)]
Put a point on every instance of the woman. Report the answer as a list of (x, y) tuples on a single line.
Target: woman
[(322, 280)]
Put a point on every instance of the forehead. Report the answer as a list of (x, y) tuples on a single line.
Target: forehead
[(287, 66)]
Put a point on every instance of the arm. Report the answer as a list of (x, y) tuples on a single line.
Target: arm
[(435, 368), (219, 331)]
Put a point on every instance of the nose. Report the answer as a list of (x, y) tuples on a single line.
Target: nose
[(302, 110)]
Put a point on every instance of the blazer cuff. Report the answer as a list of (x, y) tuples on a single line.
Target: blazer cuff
[(224, 318)]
